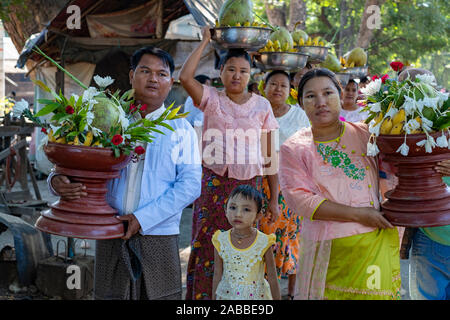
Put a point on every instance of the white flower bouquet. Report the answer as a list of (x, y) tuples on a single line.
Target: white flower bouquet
[(407, 107), (98, 118)]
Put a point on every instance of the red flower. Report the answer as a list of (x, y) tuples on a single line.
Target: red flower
[(70, 110), (43, 130), (375, 77), (383, 78), (143, 107), (396, 65), (139, 150), (117, 139), (133, 108)]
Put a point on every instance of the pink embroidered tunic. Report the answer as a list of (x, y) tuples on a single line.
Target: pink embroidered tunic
[(313, 171), (232, 133)]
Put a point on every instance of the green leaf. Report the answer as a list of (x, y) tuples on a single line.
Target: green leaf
[(42, 85), (46, 101), (48, 109), (166, 126)]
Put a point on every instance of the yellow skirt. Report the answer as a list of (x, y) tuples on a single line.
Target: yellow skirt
[(364, 267)]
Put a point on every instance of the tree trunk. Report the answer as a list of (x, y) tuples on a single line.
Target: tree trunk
[(370, 21), (297, 13), (343, 11), (275, 13)]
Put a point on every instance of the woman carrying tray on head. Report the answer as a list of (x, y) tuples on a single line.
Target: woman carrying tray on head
[(234, 146)]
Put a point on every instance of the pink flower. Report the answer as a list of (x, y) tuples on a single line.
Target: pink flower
[(139, 150), (384, 78), (143, 107), (375, 77), (70, 110), (43, 130), (117, 139)]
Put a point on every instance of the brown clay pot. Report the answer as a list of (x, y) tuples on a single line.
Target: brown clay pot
[(90, 217), (421, 198)]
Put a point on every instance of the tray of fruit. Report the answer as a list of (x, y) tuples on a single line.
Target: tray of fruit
[(236, 27), (286, 61), (343, 78), (279, 53), (250, 38), (316, 49), (354, 63)]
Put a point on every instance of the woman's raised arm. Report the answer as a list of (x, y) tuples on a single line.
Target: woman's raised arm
[(187, 74)]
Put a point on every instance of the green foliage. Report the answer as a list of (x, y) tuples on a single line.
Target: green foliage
[(6, 6), (412, 31)]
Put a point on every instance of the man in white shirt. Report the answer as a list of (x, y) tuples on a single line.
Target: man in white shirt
[(150, 196)]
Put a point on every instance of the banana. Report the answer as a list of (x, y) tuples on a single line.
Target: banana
[(316, 41), (352, 65), (96, 144), (238, 24), (419, 120), (294, 44), (51, 138), (255, 24), (386, 126), (400, 116), (286, 47), (76, 141), (397, 129), (301, 42), (378, 118), (61, 140), (309, 42), (89, 138), (321, 43), (247, 24), (217, 23), (416, 131), (276, 45), (269, 43)]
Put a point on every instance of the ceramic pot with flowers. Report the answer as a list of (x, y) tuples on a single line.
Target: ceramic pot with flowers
[(90, 138), (409, 122)]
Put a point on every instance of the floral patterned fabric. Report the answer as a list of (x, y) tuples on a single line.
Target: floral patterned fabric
[(243, 269), (286, 229), (208, 217)]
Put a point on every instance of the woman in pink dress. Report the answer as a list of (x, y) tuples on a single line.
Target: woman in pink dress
[(348, 249), (234, 152)]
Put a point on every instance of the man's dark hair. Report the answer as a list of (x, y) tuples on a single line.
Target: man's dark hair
[(248, 192), (202, 78), (165, 57), (235, 53)]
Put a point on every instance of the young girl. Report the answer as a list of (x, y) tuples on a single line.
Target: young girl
[(233, 152), (242, 253)]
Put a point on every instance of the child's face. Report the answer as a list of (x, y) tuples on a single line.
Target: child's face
[(241, 212)]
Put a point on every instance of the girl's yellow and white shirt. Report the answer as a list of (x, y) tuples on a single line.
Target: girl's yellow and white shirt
[(243, 269)]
